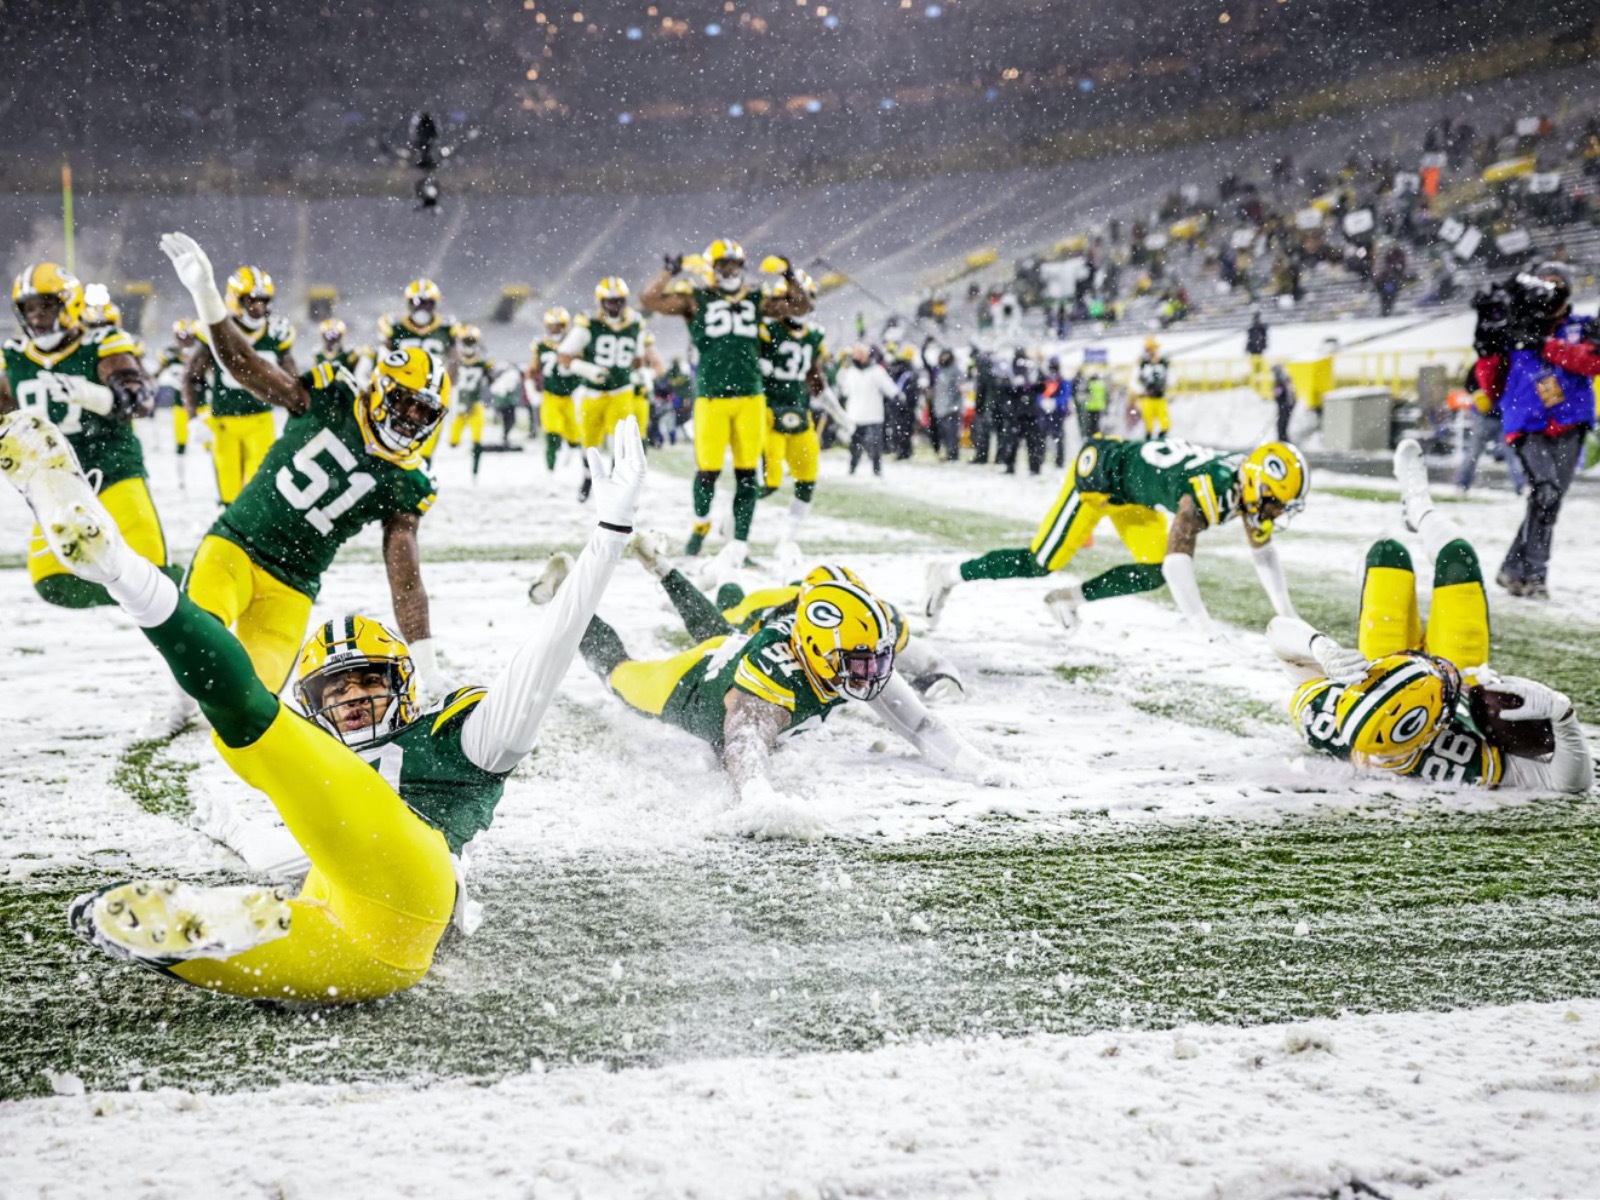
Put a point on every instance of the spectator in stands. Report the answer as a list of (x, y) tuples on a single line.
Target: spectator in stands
[(1283, 396), (1017, 411), (946, 405), (1546, 411), (1255, 345), (900, 410), (984, 387), (1054, 395), (864, 386)]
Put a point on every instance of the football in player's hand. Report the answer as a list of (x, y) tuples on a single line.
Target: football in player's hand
[(1521, 739)]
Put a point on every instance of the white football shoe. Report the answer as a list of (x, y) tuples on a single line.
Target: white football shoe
[(158, 922), (544, 589), (1415, 500), (651, 549), (36, 457), (1066, 605), (941, 580)]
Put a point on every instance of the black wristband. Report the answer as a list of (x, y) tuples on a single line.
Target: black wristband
[(616, 528)]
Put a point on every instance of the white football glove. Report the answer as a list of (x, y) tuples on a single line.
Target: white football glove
[(75, 389), (194, 272), (430, 680), (200, 429), (584, 369), (1338, 664), (1539, 703), (617, 487)]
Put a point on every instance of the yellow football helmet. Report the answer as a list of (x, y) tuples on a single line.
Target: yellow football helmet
[(333, 331), (780, 287), (357, 643), (724, 260), (421, 292), (557, 321), (248, 282), (409, 393), (844, 636), (611, 294), (48, 279), (1152, 347), (1273, 483), (1393, 715), (183, 331), (469, 339)]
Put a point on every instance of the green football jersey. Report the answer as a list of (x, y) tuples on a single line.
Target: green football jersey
[(1459, 755), (760, 663), (1158, 474), (101, 443), (400, 335), (223, 392), (425, 763), (555, 381), (472, 382), (725, 331), (616, 351), (790, 354), (1153, 375), (316, 487), (348, 359)]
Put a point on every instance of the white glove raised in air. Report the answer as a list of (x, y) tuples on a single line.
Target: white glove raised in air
[(1539, 703), (75, 389), (194, 272), (1339, 664), (617, 487)]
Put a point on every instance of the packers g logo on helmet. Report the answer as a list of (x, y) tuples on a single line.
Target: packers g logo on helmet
[(357, 643), (48, 279), (409, 393), (844, 636), (1273, 474), (248, 282), (1393, 715)]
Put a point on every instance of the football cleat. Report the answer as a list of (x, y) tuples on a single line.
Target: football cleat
[(649, 547), (1415, 502), (696, 542), (941, 581), (544, 589), (36, 458), (159, 922), (1515, 586), (1066, 605)]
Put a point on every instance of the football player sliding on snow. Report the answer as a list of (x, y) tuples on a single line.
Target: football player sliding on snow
[(379, 795), (745, 692), (1134, 484), (1421, 701)]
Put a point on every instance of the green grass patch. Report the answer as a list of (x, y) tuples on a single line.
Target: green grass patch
[(154, 781)]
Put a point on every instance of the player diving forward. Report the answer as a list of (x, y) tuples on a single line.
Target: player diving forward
[(745, 692), (348, 457), (1403, 702), (792, 355), (1134, 483), (724, 316), (378, 794)]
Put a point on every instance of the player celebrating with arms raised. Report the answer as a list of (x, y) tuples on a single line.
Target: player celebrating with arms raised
[(379, 794)]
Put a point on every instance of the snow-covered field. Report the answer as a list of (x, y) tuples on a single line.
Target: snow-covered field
[(1180, 959)]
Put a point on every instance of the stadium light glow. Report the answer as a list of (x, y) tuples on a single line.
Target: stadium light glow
[(634, 33), (830, 22), (713, 30), (625, 118), (932, 11), (736, 110), (813, 106)]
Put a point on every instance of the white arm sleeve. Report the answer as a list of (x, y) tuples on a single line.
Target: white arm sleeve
[(264, 843), (1570, 770), (1290, 639), (504, 725), (828, 401), (576, 341), (903, 711), (1269, 569), (1178, 571)]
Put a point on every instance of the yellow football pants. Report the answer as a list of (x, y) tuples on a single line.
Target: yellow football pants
[(128, 501), (266, 615), (759, 601), (238, 444), (599, 412), (739, 422), (558, 415), (380, 891), (799, 450), (1458, 619), (647, 684), (180, 427), (1153, 412), (1071, 521), (467, 419)]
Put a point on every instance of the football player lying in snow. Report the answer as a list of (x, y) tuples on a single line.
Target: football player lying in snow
[(378, 794), (1134, 484), (1421, 701), (745, 692), (928, 671)]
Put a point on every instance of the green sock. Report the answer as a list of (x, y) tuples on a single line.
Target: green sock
[(602, 649), (552, 447), (700, 616), (804, 491), (745, 492), (1003, 564), (209, 663), (705, 489), (1127, 580)]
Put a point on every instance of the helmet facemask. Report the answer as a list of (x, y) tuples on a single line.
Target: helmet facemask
[(862, 673), (728, 272), (250, 320), (47, 309), (383, 710), (404, 417)]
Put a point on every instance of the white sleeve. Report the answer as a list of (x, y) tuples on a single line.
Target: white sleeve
[(1178, 571), (1269, 569), (265, 843), (1290, 639), (503, 726), (1570, 770), (827, 400), (576, 341), (903, 711)]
